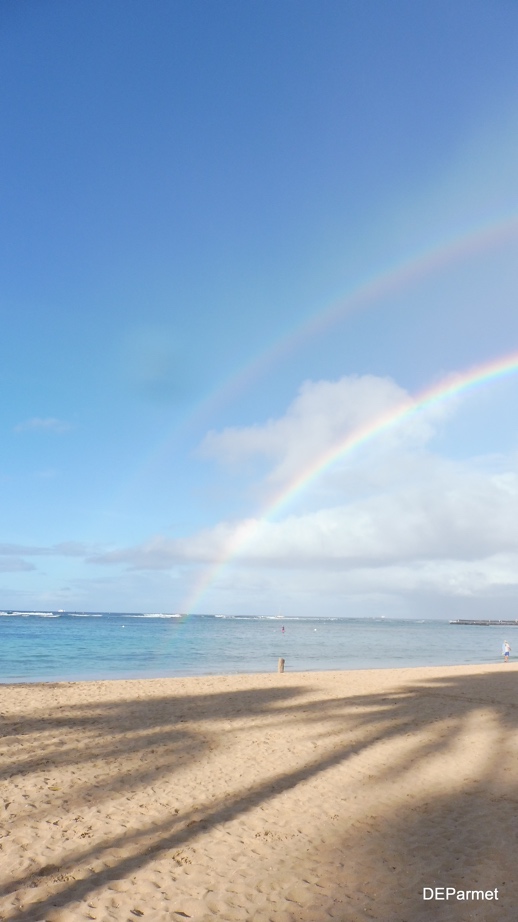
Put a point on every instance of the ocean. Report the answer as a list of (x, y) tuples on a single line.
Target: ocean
[(68, 646)]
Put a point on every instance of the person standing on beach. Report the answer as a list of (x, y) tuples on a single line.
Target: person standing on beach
[(506, 649)]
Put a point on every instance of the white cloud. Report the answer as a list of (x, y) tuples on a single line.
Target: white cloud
[(323, 415), (399, 523), (461, 515), (207, 546), (39, 424)]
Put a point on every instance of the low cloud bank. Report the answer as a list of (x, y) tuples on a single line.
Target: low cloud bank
[(393, 525)]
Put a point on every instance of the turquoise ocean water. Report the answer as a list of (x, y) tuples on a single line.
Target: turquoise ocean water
[(52, 646)]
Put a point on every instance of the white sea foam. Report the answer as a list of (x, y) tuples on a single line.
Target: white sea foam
[(279, 618), (30, 614), (82, 614), (160, 615)]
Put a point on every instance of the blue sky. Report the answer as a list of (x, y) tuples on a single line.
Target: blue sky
[(184, 186)]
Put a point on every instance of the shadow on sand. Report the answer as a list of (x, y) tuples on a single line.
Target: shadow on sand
[(432, 832)]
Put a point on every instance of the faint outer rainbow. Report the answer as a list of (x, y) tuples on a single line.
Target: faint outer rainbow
[(376, 286), (445, 389)]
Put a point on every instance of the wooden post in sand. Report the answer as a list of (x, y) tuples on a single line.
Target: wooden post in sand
[(280, 667)]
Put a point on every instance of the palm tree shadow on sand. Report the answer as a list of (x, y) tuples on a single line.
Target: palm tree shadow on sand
[(416, 787), (442, 799)]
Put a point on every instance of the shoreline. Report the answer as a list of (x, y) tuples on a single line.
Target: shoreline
[(12, 683), (294, 797)]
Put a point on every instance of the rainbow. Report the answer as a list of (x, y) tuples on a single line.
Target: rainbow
[(447, 388), (366, 292)]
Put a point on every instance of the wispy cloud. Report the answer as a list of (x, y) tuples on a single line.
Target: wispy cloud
[(15, 565), (43, 424), (63, 549)]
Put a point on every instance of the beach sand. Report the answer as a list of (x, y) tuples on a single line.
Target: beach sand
[(294, 797)]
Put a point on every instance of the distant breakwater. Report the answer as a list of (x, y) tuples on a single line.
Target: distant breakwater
[(484, 621)]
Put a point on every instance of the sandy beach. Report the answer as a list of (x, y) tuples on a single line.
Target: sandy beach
[(294, 797)]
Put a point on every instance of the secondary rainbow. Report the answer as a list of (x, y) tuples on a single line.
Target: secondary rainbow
[(369, 291), (445, 389)]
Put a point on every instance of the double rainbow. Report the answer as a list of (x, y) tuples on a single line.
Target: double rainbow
[(367, 292)]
